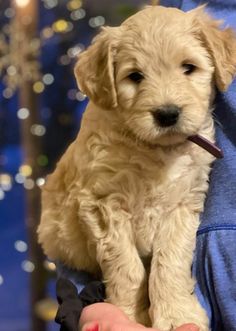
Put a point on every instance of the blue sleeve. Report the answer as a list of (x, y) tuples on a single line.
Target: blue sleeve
[(215, 271), (171, 3)]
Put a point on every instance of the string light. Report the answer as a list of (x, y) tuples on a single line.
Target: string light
[(28, 184), (38, 130), (40, 182), (78, 14), (62, 26), (95, 22), (23, 113), (48, 265), (9, 12), (21, 246), (49, 4), (80, 96), (48, 79), (22, 3), (5, 182), (25, 170), (74, 4), (7, 93), (64, 60), (19, 178), (38, 87), (27, 266), (46, 309)]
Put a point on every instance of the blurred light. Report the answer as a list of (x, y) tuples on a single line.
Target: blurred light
[(9, 12), (97, 21), (5, 182), (21, 246), (80, 96), (8, 93), (64, 60), (40, 181), (38, 87), (2, 194), (74, 4), (48, 265), (74, 51), (25, 170), (1, 280), (11, 70), (48, 79), (42, 160), (61, 26), (47, 32), (22, 3), (23, 113), (46, 309), (48, 4), (78, 14), (19, 178), (28, 184), (71, 94), (27, 266), (38, 130)]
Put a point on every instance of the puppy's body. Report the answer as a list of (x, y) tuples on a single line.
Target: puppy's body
[(125, 198)]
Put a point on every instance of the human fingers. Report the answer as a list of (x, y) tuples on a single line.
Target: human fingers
[(188, 327), (98, 311)]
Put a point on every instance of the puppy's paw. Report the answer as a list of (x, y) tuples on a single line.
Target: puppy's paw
[(167, 317)]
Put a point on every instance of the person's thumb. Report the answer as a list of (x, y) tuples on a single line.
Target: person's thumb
[(188, 327)]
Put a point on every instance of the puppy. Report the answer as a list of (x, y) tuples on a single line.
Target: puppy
[(125, 198)]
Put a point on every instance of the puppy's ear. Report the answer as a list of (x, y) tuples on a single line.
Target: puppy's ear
[(94, 70), (221, 44)]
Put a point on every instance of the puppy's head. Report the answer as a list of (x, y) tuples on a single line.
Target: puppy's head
[(158, 71)]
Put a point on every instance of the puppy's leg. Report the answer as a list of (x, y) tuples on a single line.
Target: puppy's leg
[(109, 230), (172, 302), (124, 275)]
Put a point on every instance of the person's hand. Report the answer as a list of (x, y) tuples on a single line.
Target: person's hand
[(107, 317)]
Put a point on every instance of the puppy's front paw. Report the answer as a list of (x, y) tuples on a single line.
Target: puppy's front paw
[(169, 317)]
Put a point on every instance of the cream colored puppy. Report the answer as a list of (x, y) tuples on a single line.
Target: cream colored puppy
[(125, 198)]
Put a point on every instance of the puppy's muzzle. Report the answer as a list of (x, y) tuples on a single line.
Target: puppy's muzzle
[(167, 115)]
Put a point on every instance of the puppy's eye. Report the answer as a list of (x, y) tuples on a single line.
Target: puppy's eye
[(188, 68), (136, 77)]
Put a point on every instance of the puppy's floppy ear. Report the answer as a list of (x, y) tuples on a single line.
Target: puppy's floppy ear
[(94, 70), (221, 44)]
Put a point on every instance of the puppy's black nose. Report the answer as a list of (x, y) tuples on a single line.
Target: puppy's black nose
[(167, 115)]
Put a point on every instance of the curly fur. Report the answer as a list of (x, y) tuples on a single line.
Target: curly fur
[(124, 200)]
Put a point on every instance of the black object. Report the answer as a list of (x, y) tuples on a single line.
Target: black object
[(167, 115), (71, 303)]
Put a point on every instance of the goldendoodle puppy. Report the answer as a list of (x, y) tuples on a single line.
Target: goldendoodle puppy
[(125, 198)]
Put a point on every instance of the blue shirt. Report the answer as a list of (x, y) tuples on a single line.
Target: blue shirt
[(214, 264)]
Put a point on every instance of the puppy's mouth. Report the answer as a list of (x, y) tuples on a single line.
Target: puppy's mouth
[(207, 145)]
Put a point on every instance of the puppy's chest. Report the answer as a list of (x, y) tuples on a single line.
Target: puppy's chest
[(162, 191)]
